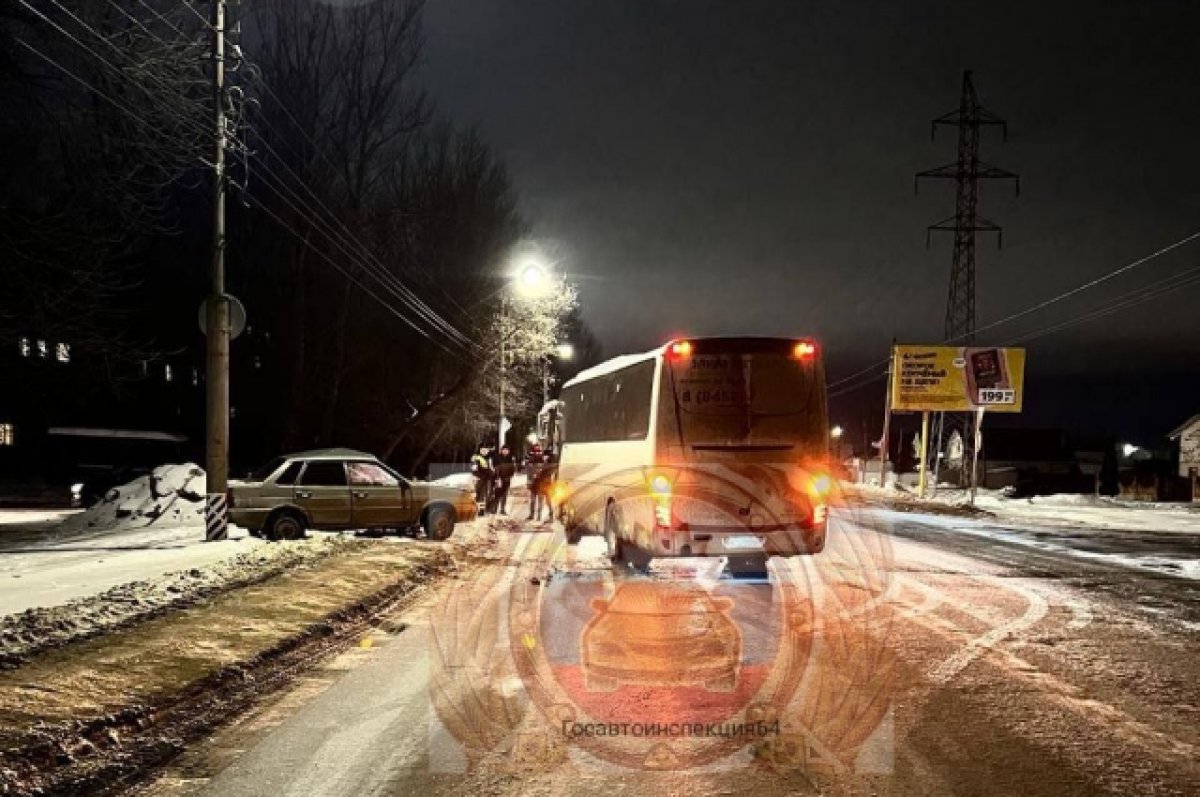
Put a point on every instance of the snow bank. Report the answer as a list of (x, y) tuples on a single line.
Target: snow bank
[(1064, 509), (170, 497), (456, 480)]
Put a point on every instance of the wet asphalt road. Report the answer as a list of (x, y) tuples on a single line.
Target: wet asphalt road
[(917, 655)]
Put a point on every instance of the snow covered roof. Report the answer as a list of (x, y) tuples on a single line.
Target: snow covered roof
[(123, 434), (626, 360), (613, 365), (330, 453), (1188, 424)]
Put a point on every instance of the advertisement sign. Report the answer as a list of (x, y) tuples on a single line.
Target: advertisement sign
[(957, 378)]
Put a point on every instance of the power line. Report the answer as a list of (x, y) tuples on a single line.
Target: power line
[(1046, 303), (1162, 287), (265, 209), (318, 150), (405, 294), (1131, 298), (381, 272), (124, 54), (203, 20), (1117, 272), (80, 80), (165, 21), (155, 100), (380, 276)]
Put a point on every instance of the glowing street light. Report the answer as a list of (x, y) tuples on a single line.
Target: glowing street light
[(563, 351), (836, 432), (1129, 449), (531, 278)]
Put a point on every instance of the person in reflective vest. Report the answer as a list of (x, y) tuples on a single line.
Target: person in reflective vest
[(481, 469)]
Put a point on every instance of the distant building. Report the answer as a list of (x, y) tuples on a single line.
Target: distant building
[(1186, 439), (1039, 461), (1187, 446)]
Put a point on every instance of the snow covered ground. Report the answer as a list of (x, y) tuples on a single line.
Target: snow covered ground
[(140, 531), (1074, 511), (70, 573)]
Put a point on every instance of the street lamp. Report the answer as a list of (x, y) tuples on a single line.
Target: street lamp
[(836, 432), (1129, 449), (564, 351), (529, 279)]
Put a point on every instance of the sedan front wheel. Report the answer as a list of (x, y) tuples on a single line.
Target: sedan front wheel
[(439, 523)]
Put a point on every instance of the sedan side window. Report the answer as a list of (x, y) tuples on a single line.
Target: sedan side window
[(290, 473), (368, 474), (324, 474)]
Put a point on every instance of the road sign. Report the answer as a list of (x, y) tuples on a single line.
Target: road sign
[(237, 317), (957, 379)]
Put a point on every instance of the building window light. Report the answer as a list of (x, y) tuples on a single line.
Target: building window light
[(25, 347), (6, 434), (62, 352), (43, 350), (167, 373)]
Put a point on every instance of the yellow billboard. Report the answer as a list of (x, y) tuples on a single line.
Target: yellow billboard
[(957, 378)]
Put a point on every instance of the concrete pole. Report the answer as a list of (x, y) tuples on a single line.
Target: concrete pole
[(924, 462), (217, 320), (975, 452)]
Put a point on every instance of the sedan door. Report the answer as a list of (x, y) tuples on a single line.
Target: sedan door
[(379, 499), (324, 494)]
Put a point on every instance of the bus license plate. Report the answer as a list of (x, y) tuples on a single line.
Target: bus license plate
[(743, 542)]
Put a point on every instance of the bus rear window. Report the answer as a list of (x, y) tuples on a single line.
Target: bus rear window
[(730, 398)]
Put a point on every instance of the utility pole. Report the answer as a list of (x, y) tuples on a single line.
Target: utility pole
[(217, 320), (967, 171), (884, 442), (500, 430)]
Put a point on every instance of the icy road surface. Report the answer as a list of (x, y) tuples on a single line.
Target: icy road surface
[(917, 655)]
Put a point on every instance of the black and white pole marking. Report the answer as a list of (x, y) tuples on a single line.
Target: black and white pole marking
[(216, 520)]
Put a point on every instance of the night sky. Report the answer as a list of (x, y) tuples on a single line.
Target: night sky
[(747, 167)]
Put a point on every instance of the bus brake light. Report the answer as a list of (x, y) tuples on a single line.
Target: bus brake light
[(804, 350), (682, 348), (821, 485)]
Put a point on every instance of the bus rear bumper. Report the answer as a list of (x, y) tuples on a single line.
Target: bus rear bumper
[(739, 543)]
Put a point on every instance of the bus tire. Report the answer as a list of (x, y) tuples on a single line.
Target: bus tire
[(612, 540)]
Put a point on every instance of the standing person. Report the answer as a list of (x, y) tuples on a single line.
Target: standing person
[(504, 464), (533, 460), (539, 489), (481, 469)]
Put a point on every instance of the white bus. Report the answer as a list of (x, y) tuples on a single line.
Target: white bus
[(701, 447)]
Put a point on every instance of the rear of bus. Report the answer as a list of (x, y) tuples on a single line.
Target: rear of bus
[(741, 449)]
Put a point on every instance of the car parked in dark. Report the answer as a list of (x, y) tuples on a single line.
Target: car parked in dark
[(338, 488)]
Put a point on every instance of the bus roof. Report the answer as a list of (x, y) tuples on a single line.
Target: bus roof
[(626, 360), (613, 365)]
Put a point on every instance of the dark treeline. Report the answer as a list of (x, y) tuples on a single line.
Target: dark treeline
[(368, 234)]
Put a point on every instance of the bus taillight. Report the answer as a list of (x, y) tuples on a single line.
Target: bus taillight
[(681, 349), (804, 350), (821, 486)]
